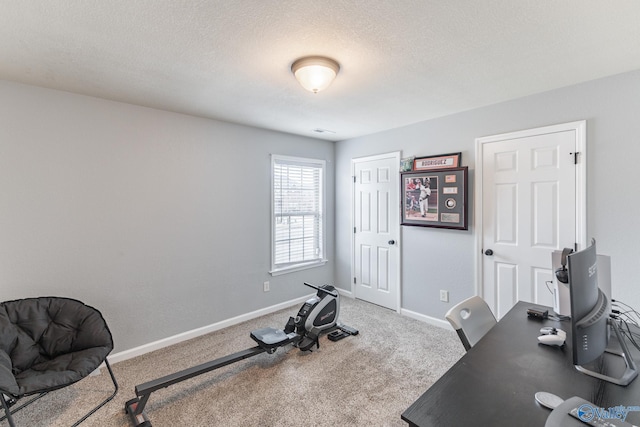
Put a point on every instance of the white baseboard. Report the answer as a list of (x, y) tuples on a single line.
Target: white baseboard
[(427, 319), (165, 342), (412, 314), (175, 339), (344, 293)]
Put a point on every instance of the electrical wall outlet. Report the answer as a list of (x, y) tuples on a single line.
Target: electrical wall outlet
[(444, 296), (265, 286)]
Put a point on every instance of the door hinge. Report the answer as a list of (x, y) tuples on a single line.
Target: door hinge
[(354, 280), (575, 157), (354, 179), (354, 230)]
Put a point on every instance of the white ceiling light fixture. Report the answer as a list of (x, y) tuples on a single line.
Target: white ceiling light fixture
[(315, 73)]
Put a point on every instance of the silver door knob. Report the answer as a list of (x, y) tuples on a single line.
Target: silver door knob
[(488, 252)]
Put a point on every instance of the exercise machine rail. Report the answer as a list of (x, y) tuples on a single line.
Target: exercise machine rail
[(135, 407)]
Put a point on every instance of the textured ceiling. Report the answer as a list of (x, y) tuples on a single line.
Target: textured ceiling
[(403, 61)]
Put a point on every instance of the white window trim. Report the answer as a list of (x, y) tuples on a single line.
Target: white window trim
[(298, 267), (276, 271)]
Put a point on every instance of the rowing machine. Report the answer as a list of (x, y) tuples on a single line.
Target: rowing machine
[(317, 315)]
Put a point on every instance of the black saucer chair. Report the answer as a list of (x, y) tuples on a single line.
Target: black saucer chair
[(46, 344)]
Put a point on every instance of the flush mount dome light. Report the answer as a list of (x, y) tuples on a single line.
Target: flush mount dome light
[(315, 73)]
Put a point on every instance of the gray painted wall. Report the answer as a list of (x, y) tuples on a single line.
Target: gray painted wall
[(160, 220), (440, 259)]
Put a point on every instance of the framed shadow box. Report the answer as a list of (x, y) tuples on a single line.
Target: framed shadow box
[(435, 198)]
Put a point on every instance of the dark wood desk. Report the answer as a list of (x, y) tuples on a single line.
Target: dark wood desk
[(494, 383)]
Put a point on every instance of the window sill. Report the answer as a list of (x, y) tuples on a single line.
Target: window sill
[(298, 267)]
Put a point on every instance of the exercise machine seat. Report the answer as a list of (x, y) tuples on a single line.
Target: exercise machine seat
[(271, 338), (48, 343)]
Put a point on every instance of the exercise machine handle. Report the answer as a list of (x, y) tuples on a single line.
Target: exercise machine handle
[(332, 293)]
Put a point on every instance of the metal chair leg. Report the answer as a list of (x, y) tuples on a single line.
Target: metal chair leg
[(115, 384), (7, 411)]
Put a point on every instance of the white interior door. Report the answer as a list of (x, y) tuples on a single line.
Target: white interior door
[(376, 251), (531, 203)]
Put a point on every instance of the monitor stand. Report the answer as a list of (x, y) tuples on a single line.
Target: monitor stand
[(630, 372)]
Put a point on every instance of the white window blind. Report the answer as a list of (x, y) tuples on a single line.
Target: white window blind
[(298, 217)]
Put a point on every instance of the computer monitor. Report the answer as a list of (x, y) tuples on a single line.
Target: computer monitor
[(590, 321)]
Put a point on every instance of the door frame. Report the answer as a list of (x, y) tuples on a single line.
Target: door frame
[(580, 129), (396, 227)]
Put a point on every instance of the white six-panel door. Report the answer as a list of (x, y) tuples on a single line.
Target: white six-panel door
[(376, 251), (531, 204)]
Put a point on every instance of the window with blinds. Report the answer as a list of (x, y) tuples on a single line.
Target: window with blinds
[(298, 213)]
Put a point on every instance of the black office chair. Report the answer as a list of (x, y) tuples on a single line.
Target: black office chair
[(46, 344), (471, 319)]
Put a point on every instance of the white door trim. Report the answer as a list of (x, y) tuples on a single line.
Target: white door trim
[(396, 227), (580, 127)]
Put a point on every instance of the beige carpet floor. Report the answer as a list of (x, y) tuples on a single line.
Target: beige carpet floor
[(365, 380)]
